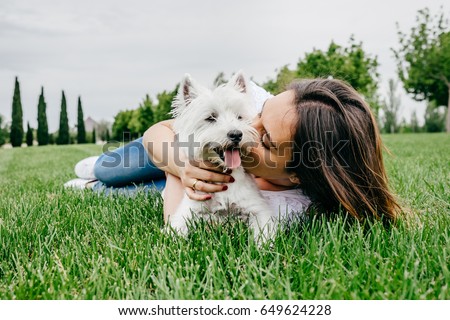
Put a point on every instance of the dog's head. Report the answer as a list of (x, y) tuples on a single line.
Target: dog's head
[(215, 124)]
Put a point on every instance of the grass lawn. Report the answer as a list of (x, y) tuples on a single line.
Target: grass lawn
[(66, 244)]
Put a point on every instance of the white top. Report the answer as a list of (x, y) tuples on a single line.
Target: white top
[(288, 203), (260, 95)]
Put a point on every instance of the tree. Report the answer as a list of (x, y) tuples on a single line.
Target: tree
[(42, 131), (391, 108), (16, 134), (120, 128), (414, 122), (81, 131), (423, 60), (63, 134), (3, 131), (146, 114), (107, 138), (219, 79), (134, 124), (434, 118), (130, 124), (94, 136), (142, 118), (351, 64), (29, 137), (283, 78), (162, 110)]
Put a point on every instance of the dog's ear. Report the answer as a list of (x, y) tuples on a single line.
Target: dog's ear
[(187, 91), (239, 82)]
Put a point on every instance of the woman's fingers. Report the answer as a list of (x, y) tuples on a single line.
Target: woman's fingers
[(208, 187), (207, 175), (203, 187), (196, 196), (200, 177)]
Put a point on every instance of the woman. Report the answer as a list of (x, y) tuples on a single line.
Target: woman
[(318, 136)]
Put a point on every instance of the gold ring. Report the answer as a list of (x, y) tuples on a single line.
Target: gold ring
[(193, 185)]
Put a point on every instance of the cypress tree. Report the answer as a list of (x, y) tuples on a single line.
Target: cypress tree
[(29, 137), (107, 137), (81, 131), (42, 131), (16, 134), (94, 136), (63, 134)]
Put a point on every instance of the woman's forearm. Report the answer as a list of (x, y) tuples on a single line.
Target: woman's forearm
[(159, 140)]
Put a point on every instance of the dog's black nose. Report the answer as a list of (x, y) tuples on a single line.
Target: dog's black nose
[(235, 135)]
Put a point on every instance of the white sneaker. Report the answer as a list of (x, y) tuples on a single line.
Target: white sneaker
[(85, 168), (76, 183)]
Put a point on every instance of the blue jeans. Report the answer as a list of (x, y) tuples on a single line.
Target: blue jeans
[(124, 168)]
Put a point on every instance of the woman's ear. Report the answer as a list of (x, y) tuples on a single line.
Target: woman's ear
[(294, 179)]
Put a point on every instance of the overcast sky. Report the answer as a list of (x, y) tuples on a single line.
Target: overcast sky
[(113, 53)]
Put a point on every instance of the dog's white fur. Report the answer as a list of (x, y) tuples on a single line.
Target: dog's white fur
[(231, 108)]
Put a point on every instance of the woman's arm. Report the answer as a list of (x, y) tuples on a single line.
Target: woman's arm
[(159, 140)]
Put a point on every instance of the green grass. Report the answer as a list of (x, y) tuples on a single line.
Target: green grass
[(65, 244)]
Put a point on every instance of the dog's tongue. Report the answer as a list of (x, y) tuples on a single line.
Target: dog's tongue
[(232, 158)]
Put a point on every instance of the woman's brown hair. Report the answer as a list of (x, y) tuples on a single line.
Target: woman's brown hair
[(337, 151)]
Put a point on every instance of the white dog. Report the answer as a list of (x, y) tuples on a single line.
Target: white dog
[(215, 126)]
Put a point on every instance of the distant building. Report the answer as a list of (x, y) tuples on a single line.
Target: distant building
[(89, 124)]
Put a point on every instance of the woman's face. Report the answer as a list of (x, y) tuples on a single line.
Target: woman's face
[(275, 125)]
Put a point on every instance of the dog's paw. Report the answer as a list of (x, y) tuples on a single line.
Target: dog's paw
[(264, 229), (179, 226), (181, 230), (261, 236)]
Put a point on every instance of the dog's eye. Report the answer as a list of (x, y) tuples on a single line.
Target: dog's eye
[(239, 117), (212, 118)]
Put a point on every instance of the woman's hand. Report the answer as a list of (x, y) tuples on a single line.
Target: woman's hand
[(203, 176), (159, 141)]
